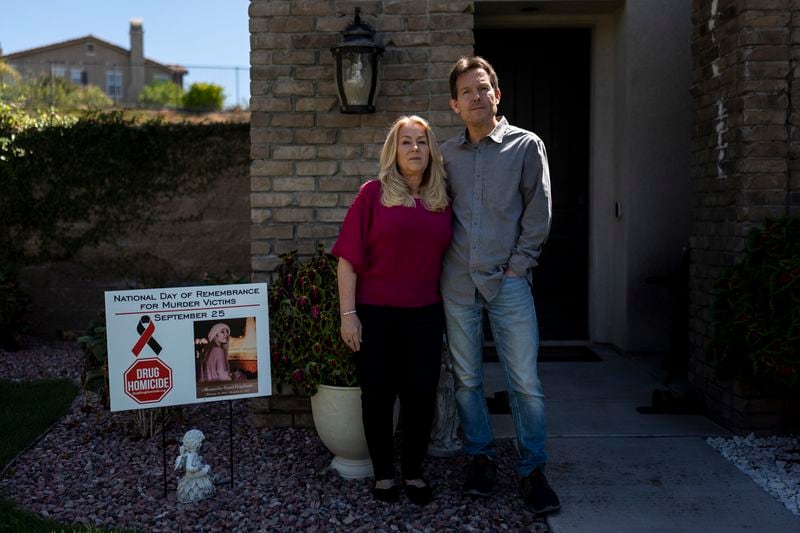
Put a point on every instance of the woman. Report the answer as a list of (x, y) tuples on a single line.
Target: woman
[(390, 252), (214, 364)]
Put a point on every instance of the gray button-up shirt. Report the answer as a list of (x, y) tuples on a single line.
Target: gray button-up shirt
[(500, 190)]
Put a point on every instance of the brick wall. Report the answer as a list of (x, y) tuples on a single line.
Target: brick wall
[(308, 158), (745, 147)]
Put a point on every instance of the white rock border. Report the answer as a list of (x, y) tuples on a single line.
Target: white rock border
[(772, 462)]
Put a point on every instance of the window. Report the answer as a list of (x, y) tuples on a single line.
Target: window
[(89, 49), (58, 71), (160, 77), (114, 83), (76, 76)]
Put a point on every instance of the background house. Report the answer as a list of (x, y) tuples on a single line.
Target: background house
[(89, 60), (669, 126)]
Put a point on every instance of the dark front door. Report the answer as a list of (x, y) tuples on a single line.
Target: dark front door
[(544, 84)]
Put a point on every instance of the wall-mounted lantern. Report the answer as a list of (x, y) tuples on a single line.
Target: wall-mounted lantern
[(356, 62)]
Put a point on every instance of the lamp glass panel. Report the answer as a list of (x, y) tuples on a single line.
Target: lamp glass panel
[(357, 77)]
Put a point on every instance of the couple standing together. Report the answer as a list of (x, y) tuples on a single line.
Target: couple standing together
[(430, 244)]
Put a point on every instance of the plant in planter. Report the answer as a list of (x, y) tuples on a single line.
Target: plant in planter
[(756, 310), (308, 354), (305, 342)]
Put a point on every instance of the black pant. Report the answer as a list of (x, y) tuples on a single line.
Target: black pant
[(400, 356)]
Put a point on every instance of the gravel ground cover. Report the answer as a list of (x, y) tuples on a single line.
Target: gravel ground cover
[(42, 359), (772, 462), (90, 468)]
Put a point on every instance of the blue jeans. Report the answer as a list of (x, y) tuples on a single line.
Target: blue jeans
[(512, 317)]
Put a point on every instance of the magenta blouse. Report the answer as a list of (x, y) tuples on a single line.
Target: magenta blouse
[(396, 252)]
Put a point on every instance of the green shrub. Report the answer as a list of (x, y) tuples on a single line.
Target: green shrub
[(70, 183), (95, 362), (88, 97), (9, 82), (59, 93), (756, 309), (204, 97), (161, 93)]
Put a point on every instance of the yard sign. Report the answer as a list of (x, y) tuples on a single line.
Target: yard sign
[(158, 340)]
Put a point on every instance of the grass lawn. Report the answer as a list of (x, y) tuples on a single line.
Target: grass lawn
[(26, 411)]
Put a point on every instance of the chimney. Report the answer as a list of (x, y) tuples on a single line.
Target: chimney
[(137, 42), (137, 70)]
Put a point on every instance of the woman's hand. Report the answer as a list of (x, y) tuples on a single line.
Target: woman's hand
[(351, 331), (351, 325)]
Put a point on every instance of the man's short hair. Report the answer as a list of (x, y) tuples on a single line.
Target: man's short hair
[(465, 64)]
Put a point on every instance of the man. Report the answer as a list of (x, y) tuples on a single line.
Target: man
[(499, 182)]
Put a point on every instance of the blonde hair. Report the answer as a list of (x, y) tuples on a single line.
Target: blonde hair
[(394, 188)]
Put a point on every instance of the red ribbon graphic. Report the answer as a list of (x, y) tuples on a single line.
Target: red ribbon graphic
[(145, 328)]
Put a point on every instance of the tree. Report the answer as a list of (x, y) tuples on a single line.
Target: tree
[(204, 97), (161, 93), (9, 82)]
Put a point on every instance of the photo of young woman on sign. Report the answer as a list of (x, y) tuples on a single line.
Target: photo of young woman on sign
[(225, 357)]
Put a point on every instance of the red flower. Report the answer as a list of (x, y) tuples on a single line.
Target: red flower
[(315, 311), (754, 336), (742, 317), (297, 375), (784, 372)]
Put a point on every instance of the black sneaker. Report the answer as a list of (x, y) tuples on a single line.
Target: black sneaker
[(389, 495), (481, 476), (419, 495), (541, 498)]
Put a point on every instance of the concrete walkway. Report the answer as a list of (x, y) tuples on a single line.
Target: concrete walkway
[(617, 470)]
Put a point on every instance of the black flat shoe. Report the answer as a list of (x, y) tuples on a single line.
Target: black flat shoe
[(419, 495), (390, 495)]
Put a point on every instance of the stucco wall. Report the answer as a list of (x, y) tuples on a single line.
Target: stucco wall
[(652, 152)]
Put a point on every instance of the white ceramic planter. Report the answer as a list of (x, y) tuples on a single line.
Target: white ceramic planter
[(337, 418)]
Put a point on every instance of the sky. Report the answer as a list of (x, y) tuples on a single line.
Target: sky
[(192, 33)]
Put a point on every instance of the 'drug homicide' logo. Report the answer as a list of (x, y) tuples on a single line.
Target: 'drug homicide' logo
[(147, 380)]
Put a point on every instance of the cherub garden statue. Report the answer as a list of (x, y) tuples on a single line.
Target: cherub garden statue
[(197, 483)]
